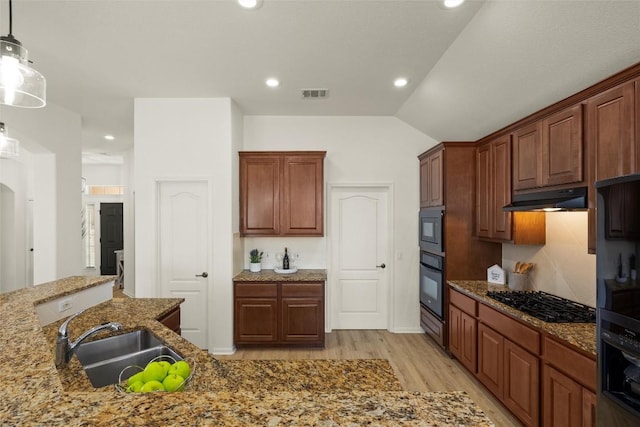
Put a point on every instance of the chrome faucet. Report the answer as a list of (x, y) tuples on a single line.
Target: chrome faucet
[(64, 350)]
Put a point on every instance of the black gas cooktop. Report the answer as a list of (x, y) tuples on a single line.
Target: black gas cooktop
[(546, 307)]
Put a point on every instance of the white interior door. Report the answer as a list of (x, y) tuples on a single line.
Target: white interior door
[(359, 248), (183, 253)]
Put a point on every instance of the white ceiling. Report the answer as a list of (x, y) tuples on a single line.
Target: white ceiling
[(471, 70)]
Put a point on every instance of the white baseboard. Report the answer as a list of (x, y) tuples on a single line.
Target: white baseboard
[(224, 351), (408, 330)]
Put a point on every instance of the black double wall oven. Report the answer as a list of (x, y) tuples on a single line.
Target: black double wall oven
[(618, 301), (432, 260)]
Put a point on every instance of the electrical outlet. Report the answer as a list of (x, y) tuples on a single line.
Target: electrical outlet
[(65, 304)]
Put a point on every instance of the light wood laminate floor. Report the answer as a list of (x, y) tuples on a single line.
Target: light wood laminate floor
[(419, 364)]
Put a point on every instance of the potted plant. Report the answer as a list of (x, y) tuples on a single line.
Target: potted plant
[(255, 258)]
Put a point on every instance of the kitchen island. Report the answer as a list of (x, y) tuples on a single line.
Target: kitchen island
[(222, 392)]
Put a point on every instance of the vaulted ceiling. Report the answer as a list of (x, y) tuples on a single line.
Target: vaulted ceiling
[(471, 70)]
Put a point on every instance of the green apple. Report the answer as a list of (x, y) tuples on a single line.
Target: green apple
[(166, 365), (180, 368), (153, 372), (173, 382), (134, 378), (152, 385), (135, 387)]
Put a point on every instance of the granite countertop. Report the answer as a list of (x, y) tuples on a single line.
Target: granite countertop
[(232, 392), (301, 275), (579, 335)]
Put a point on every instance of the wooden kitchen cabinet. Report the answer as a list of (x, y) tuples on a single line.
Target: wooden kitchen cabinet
[(611, 131), (527, 157), (172, 320), (521, 383), (493, 192), (431, 178), (563, 148), (621, 218), (447, 175), (549, 152), (256, 313), (568, 384), (491, 359), (463, 329), (282, 193), (277, 314), (493, 189)]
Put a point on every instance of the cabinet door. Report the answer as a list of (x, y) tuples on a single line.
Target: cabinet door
[(521, 383), (259, 195), (561, 399), (588, 408), (611, 131), (527, 157), (424, 182), (468, 337), (303, 196), (303, 320), (490, 359), (562, 147), (455, 332), (172, 320), (435, 179), (256, 320), (501, 184), (483, 191)]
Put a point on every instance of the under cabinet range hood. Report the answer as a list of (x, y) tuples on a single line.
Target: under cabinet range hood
[(566, 199)]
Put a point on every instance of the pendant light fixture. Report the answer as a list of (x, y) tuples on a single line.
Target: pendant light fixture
[(20, 85), (8, 146)]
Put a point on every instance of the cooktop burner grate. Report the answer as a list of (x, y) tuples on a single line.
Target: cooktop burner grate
[(546, 307)]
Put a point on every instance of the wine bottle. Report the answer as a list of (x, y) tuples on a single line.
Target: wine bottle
[(285, 260)]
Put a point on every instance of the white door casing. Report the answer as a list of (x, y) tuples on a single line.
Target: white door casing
[(360, 242), (183, 248)]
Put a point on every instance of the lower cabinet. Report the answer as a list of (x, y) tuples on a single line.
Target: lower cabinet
[(568, 379), (538, 378), (279, 313), (172, 320)]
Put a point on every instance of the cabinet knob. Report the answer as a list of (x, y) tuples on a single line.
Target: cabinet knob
[(204, 274), (381, 265)]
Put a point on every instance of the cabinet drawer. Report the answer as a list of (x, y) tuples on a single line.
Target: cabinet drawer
[(525, 337), (256, 290), (311, 289), (578, 366), (464, 303)]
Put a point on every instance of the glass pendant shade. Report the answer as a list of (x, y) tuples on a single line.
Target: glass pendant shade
[(20, 85), (8, 146)]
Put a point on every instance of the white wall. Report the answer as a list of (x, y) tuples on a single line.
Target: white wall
[(188, 139), (128, 211), (96, 174), (562, 266), (359, 150), (53, 135)]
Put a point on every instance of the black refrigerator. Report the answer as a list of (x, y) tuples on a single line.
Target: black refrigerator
[(618, 301)]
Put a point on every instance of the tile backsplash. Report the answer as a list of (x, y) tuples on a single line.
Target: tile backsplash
[(562, 266)]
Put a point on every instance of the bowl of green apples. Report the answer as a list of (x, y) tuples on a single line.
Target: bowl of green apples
[(162, 373)]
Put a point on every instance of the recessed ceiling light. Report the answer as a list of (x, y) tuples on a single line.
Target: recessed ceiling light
[(272, 82), (452, 3), (400, 82), (250, 4), (109, 137)]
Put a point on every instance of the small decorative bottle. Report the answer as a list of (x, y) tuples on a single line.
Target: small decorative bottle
[(285, 260)]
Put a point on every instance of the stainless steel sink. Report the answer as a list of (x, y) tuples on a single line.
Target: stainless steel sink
[(104, 359)]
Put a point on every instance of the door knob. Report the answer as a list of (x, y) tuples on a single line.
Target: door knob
[(381, 265), (205, 274)]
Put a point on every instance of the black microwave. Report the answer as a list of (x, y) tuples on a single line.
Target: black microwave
[(431, 226)]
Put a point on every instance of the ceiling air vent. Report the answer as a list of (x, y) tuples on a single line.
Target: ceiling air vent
[(315, 93)]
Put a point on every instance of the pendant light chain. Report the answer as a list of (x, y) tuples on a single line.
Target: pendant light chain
[(10, 18)]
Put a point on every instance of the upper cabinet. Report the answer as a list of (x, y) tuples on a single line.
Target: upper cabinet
[(282, 193), (549, 152), (431, 183), (493, 192), (611, 131), (493, 189)]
